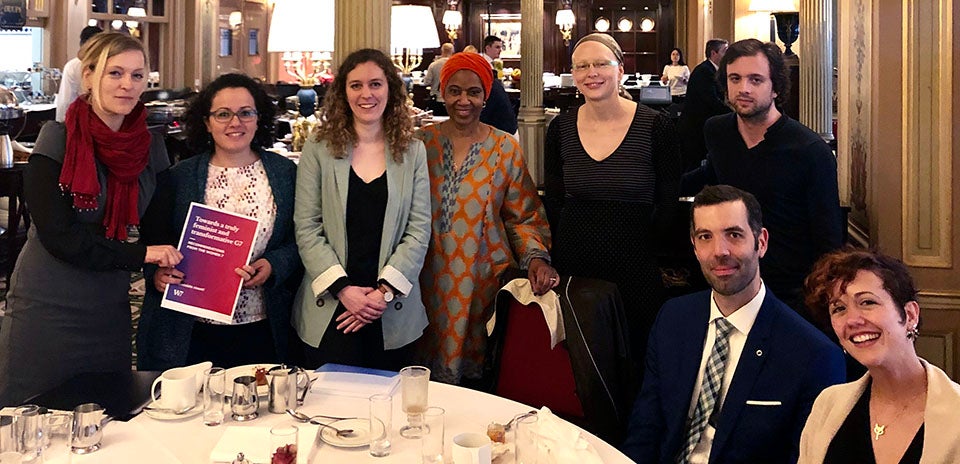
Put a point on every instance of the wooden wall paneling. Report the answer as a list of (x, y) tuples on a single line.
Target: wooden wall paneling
[(939, 340), (927, 84)]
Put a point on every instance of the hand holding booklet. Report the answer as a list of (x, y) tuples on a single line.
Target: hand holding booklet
[(214, 242)]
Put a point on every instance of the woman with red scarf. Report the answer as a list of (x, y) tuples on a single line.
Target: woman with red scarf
[(88, 181)]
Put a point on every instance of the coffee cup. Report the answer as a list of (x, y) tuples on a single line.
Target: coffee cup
[(472, 448), (178, 388)]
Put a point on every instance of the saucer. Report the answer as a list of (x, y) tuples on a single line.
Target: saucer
[(169, 415), (249, 369), (360, 437)]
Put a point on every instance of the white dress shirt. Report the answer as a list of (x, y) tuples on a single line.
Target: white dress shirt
[(742, 320), (69, 87)]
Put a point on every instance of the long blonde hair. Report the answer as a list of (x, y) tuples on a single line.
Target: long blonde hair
[(95, 52)]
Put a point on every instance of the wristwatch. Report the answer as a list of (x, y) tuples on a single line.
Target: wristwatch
[(387, 293)]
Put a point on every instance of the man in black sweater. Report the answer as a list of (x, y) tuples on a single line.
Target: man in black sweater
[(703, 101), (788, 167)]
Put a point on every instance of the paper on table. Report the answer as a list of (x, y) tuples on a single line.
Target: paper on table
[(253, 442), (354, 384)]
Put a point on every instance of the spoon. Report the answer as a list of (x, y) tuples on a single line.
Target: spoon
[(305, 418), (506, 428), (178, 412)]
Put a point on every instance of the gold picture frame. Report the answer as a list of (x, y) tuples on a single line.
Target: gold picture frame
[(505, 26)]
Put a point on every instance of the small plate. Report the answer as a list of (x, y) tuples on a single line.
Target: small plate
[(170, 416), (249, 369), (361, 433)]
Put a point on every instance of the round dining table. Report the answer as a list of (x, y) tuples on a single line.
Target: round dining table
[(146, 440)]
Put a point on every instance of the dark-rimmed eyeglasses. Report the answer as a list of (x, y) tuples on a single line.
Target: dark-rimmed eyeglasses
[(224, 115)]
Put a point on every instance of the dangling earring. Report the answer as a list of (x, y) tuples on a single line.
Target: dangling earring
[(913, 333)]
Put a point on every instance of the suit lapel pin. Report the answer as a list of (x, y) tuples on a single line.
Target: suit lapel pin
[(759, 352)]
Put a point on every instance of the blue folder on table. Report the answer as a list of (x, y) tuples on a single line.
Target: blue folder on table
[(343, 380)]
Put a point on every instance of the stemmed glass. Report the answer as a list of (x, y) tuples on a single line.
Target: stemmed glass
[(414, 381)]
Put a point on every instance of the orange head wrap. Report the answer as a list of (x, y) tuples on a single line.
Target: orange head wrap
[(471, 62)]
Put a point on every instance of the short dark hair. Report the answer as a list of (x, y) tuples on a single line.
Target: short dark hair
[(779, 74), (713, 45), (490, 40), (89, 32), (841, 267), (200, 140), (716, 194)]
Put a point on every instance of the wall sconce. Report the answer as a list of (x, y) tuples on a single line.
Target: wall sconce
[(235, 20), (412, 28), (134, 26), (452, 20), (565, 21), (303, 31)]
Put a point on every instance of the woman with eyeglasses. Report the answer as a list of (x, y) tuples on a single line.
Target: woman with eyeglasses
[(363, 222), (87, 183), (611, 178), (228, 125)]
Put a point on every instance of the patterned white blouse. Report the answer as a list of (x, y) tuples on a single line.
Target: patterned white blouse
[(245, 190)]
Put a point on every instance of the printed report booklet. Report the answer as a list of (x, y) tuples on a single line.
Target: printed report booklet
[(214, 243)]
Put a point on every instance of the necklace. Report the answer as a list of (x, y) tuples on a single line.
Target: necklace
[(879, 429)]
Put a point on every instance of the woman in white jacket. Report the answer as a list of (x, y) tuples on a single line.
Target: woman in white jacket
[(903, 409)]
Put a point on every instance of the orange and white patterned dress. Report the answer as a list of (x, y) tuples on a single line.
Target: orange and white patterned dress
[(486, 218)]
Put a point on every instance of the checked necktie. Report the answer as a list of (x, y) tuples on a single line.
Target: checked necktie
[(709, 389)]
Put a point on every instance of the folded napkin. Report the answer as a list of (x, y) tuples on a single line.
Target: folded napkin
[(253, 442), (561, 442), (354, 384), (549, 303)]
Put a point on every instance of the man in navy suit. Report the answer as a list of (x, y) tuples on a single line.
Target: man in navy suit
[(731, 373)]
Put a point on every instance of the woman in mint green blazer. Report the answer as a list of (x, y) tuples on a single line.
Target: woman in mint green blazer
[(362, 218)]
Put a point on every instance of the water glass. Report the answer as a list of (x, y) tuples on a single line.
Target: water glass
[(432, 436), (283, 442), (214, 389), (526, 439), (9, 439), (29, 430), (56, 436), (414, 383), (381, 423)]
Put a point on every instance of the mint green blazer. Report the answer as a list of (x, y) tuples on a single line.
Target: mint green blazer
[(320, 223)]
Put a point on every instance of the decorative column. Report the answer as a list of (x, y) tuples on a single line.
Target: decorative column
[(816, 67), (531, 119), (360, 24)]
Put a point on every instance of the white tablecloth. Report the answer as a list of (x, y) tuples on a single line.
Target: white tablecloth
[(188, 441)]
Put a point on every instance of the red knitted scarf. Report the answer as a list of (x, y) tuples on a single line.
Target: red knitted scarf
[(124, 153)]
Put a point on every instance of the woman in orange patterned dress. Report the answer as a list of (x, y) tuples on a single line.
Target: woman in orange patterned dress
[(486, 218)]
